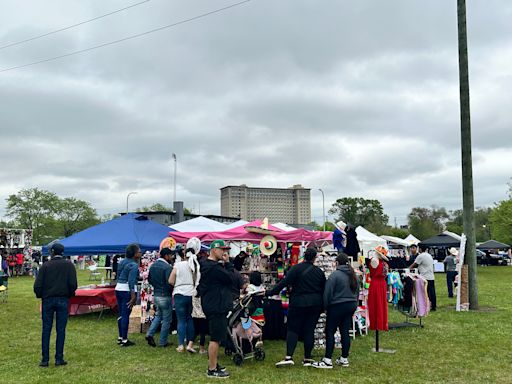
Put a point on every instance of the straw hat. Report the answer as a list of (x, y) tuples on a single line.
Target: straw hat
[(341, 225), (168, 242), (382, 252), (268, 245), (453, 251)]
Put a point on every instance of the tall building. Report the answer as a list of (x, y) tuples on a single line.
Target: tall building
[(287, 205)]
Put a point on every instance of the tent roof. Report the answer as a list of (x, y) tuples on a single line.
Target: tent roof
[(396, 240), (365, 235), (199, 224), (445, 239), (412, 239), (113, 236), (284, 227), (236, 224), (492, 244)]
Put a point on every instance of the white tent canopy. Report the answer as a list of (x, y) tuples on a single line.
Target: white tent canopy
[(199, 224), (412, 240), (284, 227), (368, 241), (396, 240), (235, 224)]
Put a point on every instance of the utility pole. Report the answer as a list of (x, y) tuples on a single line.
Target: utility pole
[(175, 169), (467, 163)]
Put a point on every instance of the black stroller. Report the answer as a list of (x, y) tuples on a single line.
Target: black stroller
[(244, 334)]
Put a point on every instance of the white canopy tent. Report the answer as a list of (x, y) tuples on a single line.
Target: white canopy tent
[(412, 240), (396, 240), (235, 224), (368, 241), (199, 224), (284, 227)]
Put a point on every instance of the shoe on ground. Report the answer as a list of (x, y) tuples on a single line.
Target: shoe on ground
[(216, 374), (151, 341), (287, 361), (119, 340), (127, 343), (322, 364), (61, 362), (203, 352), (343, 361), (44, 364), (220, 367), (191, 350), (180, 349), (307, 362)]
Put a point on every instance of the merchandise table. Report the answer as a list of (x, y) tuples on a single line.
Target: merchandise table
[(87, 300)]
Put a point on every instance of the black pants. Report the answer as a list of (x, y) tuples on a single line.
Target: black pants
[(302, 322), (431, 291), (450, 278), (201, 328), (339, 316)]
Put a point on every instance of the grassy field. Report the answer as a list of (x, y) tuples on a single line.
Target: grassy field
[(471, 347)]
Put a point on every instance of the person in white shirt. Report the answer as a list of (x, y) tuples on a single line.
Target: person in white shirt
[(425, 264)]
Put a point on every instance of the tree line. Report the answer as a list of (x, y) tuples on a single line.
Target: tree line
[(52, 217)]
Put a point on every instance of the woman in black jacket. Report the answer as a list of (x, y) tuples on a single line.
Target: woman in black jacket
[(340, 301), (307, 283)]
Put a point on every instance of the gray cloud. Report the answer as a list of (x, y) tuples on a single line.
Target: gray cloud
[(359, 99)]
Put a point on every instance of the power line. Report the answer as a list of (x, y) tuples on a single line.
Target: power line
[(125, 38), (71, 26)]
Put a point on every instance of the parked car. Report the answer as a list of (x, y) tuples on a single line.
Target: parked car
[(483, 258)]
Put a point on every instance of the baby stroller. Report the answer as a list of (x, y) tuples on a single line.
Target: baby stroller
[(244, 334)]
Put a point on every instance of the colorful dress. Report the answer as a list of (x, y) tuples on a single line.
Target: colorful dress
[(377, 297)]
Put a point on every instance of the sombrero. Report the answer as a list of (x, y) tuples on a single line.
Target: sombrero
[(382, 252), (195, 244), (168, 242), (268, 245)]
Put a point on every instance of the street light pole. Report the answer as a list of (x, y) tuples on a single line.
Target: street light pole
[(175, 168), (323, 205), (127, 197)]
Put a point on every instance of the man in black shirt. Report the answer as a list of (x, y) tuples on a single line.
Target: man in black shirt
[(215, 290), (55, 284)]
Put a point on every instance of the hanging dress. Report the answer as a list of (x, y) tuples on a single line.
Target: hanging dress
[(377, 298)]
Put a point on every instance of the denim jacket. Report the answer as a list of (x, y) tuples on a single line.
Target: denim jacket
[(128, 272), (159, 273)]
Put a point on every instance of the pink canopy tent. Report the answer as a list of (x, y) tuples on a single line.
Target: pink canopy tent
[(241, 234)]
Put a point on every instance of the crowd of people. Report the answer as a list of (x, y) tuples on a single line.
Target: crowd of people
[(202, 288)]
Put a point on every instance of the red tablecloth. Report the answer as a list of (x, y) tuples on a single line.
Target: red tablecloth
[(92, 300)]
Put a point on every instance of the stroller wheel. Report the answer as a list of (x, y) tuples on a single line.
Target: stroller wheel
[(259, 354), (238, 359)]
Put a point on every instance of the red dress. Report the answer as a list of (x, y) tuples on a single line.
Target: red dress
[(377, 297)]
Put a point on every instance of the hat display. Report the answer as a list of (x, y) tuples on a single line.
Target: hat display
[(168, 242), (219, 244), (382, 252), (453, 251), (268, 245), (195, 244)]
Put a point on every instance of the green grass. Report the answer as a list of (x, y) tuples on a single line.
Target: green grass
[(471, 347)]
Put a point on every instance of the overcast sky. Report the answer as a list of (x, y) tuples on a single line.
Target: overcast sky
[(359, 98)]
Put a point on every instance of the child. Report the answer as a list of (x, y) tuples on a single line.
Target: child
[(255, 286)]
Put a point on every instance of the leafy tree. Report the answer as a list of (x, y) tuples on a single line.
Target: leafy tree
[(501, 222), (320, 227), (360, 211), (157, 207), (75, 215), (427, 222), (482, 223), (34, 209), (397, 232)]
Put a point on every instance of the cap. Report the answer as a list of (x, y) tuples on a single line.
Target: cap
[(219, 244), (57, 248)]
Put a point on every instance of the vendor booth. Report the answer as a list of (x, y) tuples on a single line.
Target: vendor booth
[(368, 241), (398, 252)]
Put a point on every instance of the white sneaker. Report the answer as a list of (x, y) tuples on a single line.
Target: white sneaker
[(343, 361), (324, 364), (287, 361)]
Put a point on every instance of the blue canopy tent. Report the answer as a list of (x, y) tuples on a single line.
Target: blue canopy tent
[(113, 236)]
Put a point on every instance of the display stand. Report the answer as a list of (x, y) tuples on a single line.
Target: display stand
[(377, 347)]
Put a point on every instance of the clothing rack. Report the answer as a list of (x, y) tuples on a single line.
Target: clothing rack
[(407, 322)]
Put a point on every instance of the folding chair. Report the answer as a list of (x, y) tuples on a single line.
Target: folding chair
[(94, 273)]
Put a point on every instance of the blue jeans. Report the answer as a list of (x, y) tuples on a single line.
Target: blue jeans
[(163, 315), (124, 313), (59, 307), (183, 305)]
